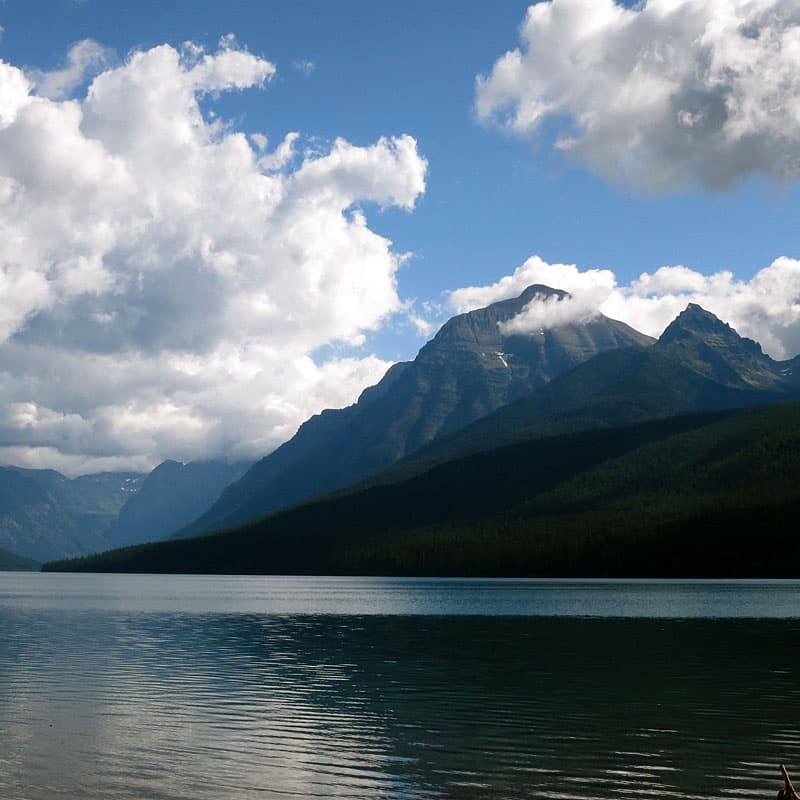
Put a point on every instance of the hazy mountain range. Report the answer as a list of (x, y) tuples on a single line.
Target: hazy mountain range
[(45, 515), (482, 455)]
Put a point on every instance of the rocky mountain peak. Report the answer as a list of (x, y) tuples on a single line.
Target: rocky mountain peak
[(694, 322), (713, 348), (468, 370), (483, 322)]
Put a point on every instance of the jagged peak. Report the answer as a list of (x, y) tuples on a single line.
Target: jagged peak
[(695, 322), (695, 319)]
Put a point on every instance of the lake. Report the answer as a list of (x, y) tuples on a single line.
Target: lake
[(123, 687)]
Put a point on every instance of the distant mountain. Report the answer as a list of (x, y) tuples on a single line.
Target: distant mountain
[(710, 347), (171, 496), (467, 371), (10, 562), (45, 515), (706, 495)]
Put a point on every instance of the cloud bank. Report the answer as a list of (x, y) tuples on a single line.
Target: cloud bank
[(765, 308), (164, 283), (664, 95)]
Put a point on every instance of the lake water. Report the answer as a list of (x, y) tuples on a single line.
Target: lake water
[(139, 687)]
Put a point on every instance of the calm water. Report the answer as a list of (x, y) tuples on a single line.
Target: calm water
[(193, 687)]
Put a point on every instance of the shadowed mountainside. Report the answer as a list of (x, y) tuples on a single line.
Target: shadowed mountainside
[(709, 495), (468, 370), (428, 509), (13, 562), (44, 514), (698, 364), (171, 496)]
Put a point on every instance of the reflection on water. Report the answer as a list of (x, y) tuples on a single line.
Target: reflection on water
[(178, 703), (401, 596)]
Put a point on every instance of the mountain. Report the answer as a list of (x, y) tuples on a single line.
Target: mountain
[(705, 495), (45, 515), (698, 364), (562, 464), (10, 562), (171, 496), (712, 348), (468, 370)]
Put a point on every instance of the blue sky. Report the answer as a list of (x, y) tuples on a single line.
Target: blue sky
[(382, 69), (493, 197)]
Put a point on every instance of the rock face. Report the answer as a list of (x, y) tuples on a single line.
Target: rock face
[(712, 348), (698, 364), (468, 370)]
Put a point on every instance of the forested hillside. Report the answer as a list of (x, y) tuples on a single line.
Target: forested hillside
[(701, 495)]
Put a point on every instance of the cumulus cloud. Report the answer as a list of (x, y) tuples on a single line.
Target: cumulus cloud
[(550, 312), (282, 155), (765, 308), (165, 282), (535, 271), (85, 58), (587, 291), (663, 95)]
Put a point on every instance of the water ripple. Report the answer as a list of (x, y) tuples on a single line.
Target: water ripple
[(108, 704)]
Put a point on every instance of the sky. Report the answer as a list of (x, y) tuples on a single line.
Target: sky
[(217, 219)]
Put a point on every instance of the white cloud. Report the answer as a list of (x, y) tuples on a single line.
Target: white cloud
[(424, 328), (663, 95), (163, 291), (231, 67), (283, 154), (84, 58), (534, 271), (14, 92), (588, 290), (550, 312), (260, 141), (765, 308)]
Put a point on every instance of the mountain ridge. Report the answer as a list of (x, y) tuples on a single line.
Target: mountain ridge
[(469, 369), (46, 515), (171, 495), (689, 496), (629, 385)]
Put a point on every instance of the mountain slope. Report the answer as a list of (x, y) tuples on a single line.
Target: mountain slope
[(712, 348), (45, 515), (703, 495), (467, 371), (698, 364), (171, 496), (11, 562)]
